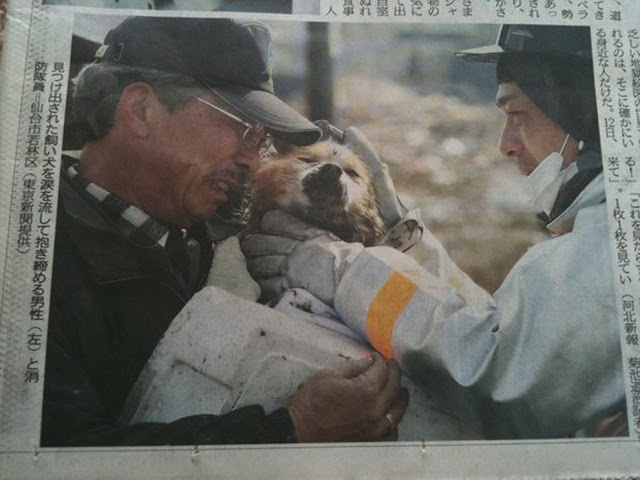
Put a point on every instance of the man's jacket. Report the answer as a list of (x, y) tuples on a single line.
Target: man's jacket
[(541, 358), (111, 302)]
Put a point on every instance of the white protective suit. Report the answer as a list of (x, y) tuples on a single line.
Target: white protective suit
[(542, 356)]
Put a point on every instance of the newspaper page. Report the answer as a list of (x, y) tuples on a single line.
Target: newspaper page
[(388, 68)]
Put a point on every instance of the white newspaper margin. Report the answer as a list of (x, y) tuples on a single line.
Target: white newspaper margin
[(20, 403)]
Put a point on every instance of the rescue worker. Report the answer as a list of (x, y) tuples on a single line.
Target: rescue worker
[(175, 112), (541, 358)]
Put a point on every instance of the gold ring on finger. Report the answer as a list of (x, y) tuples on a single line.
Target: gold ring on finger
[(391, 420)]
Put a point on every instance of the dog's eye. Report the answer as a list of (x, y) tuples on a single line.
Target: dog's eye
[(352, 173), (305, 159)]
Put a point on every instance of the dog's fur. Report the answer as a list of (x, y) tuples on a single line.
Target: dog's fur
[(324, 184)]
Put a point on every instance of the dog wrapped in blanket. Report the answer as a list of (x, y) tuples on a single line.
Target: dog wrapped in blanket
[(324, 184)]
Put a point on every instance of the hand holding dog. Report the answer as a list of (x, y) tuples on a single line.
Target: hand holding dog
[(289, 253), (360, 400)]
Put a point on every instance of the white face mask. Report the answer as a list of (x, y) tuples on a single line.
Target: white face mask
[(543, 184)]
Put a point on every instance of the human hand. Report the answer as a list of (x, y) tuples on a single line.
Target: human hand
[(289, 253), (360, 400)]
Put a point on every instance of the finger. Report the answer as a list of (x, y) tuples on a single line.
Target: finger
[(353, 136), (255, 245), (381, 429), (389, 391), (361, 146), (329, 131), (277, 222), (352, 368), (386, 427), (394, 370), (399, 406), (377, 374)]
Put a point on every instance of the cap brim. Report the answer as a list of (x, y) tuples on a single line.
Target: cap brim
[(486, 54), (281, 120)]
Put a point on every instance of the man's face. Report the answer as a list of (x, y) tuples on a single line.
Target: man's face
[(528, 136), (197, 157)]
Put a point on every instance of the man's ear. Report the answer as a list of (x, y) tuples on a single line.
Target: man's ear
[(135, 108)]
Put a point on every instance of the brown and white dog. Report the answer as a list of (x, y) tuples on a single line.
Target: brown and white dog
[(324, 184)]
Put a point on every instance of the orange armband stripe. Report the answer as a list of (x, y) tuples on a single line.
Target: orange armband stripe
[(386, 307)]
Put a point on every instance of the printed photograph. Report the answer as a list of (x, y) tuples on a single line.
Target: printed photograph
[(277, 232)]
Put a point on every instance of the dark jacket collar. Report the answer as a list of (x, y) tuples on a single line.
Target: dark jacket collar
[(109, 255)]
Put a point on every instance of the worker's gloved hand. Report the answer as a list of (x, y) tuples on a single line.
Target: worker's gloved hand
[(360, 400), (403, 227), (289, 253)]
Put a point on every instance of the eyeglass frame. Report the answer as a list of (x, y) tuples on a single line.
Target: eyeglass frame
[(265, 139)]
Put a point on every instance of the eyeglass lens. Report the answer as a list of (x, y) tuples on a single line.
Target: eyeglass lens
[(256, 136)]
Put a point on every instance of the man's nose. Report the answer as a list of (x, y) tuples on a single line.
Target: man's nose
[(510, 144)]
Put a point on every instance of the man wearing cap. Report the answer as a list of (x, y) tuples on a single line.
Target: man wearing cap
[(175, 113), (541, 358)]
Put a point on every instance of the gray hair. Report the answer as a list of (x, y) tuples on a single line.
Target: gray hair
[(99, 86)]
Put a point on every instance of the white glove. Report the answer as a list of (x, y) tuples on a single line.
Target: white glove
[(289, 253), (403, 227)]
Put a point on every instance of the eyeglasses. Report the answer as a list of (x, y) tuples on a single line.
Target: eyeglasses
[(254, 137)]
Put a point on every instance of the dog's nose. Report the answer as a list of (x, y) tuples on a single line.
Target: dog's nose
[(329, 172), (323, 185)]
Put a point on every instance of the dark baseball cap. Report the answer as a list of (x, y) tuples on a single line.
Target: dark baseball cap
[(562, 41), (231, 57)]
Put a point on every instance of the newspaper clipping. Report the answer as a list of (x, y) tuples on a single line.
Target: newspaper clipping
[(320, 239)]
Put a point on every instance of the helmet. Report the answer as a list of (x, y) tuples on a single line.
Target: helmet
[(552, 64), (561, 41)]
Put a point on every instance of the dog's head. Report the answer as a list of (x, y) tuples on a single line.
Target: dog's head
[(325, 184)]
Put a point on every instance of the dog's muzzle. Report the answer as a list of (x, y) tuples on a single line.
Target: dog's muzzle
[(324, 186)]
